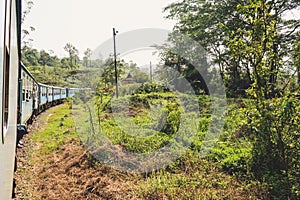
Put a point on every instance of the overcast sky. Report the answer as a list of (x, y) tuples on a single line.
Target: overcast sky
[(88, 23)]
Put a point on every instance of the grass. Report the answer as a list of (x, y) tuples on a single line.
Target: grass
[(193, 178), (60, 129), (187, 177), (144, 123)]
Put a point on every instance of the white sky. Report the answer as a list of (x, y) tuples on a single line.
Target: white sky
[(88, 23)]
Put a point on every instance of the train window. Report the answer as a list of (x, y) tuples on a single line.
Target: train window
[(27, 94), (6, 89), (23, 95), (5, 64), (23, 80)]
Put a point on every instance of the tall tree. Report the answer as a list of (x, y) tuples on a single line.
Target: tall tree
[(87, 57), (73, 55)]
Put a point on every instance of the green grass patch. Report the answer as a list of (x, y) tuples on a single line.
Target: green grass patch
[(59, 129)]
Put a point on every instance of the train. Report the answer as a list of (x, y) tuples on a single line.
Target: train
[(20, 92), (35, 97)]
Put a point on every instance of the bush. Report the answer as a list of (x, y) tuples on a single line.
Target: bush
[(151, 87)]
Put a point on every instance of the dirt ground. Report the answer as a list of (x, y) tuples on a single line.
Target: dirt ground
[(67, 173)]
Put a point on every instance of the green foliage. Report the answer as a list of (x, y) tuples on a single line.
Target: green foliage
[(276, 149), (109, 73), (242, 37), (29, 56), (261, 137), (33, 57), (151, 135), (50, 76), (246, 40), (128, 89), (234, 157), (171, 116), (151, 87)]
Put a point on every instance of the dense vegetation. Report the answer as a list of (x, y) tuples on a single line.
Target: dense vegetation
[(256, 50)]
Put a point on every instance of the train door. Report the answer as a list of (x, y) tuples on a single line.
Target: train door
[(35, 97)]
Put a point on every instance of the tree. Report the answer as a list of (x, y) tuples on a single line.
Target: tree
[(65, 63), (264, 46), (26, 42), (87, 57), (108, 75), (45, 58), (30, 56), (214, 24), (73, 55), (187, 61)]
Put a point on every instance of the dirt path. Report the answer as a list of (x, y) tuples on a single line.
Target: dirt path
[(66, 173)]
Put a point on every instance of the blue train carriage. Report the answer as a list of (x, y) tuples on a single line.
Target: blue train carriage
[(50, 95), (72, 91), (44, 96), (57, 94), (29, 95), (9, 63), (63, 93)]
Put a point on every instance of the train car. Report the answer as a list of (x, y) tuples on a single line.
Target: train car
[(56, 93), (10, 13), (50, 95), (29, 95), (64, 93), (43, 94), (72, 91)]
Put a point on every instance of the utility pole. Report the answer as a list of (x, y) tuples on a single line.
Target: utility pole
[(115, 55)]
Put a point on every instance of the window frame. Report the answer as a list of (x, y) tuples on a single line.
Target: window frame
[(5, 66)]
